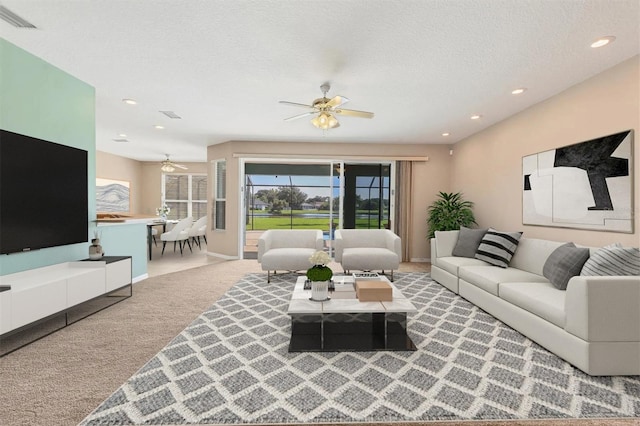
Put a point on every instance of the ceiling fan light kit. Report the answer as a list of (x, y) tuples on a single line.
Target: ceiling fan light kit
[(169, 166), (325, 121), (326, 109)]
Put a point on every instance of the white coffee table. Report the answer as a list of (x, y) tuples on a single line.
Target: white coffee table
[(344, 323)]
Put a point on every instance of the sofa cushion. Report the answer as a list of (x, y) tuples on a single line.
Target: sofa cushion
[(565, 262), (364, 237), (369, 258), (286, 238), (468, 241), (497, 248), (452, 264), (613, 260), (489, 278), (541, 299), (287, 259), (532, 253), (445, 242)]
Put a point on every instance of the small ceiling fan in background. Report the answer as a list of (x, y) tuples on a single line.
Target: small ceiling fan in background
[(169, 166), (325, 109)]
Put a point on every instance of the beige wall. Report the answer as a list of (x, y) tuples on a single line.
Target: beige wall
[(152, 177), (487, 167), (428, 178), (145, 178), (109, 166)]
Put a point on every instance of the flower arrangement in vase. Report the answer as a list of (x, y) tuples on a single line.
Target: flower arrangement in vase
[(319, 275), (163, 212)]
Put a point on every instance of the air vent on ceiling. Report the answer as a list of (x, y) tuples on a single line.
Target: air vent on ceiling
[(171, 114), (13, 19), (121, 140)]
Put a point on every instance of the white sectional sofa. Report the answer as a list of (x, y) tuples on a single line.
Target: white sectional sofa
[(594, 324)]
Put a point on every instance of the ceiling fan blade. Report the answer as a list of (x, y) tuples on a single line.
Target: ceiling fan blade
[(354, 113), (296, 104), (336, 101), (180, 166), (295, 117)]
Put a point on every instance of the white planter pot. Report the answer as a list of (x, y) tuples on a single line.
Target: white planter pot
[(319, 290)]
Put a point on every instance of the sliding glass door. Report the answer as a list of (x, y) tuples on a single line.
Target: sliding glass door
[(313, 195), (288, 196), (367, 196)]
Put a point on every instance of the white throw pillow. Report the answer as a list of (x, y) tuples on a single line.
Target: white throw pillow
[(613, 260)]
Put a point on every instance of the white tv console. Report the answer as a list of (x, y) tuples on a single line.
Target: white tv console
[(28, 297)]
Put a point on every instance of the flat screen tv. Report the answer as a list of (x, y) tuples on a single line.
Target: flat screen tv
[(43, 194)]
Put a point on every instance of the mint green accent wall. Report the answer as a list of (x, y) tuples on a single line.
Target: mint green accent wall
[(40, 100), (124, 239)]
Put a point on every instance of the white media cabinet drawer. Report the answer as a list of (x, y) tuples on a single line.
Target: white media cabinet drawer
[(35, 302), (118, 274), (85, 287)]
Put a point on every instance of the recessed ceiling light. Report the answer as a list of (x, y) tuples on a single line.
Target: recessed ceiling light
[(159, 127), (446, 134), (476, 116), (519, 91), (603, 41), (122, 135), (129, 101)]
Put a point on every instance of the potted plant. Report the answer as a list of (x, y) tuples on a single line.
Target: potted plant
[(319, 275), (449, 212)]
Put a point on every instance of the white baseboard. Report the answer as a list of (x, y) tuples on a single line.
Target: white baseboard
[(420, 260), (139, 278), (222, 256)]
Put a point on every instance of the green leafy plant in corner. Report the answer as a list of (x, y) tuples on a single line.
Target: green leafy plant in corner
[(449, 212)]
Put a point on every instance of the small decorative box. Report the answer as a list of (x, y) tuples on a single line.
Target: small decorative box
[(373, 291)]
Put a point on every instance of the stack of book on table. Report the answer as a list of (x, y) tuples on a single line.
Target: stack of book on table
[(343, 287)]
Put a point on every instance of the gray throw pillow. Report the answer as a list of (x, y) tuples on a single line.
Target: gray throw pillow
[(564, 262), (497, 248), (468, 241), (613, 260)]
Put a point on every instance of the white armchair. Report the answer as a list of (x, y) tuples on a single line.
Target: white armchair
[(368, 250), (179, 233), (288, 249), (199, 229)]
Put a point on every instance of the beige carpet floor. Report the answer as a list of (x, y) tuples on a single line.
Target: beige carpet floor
[(60, 379)]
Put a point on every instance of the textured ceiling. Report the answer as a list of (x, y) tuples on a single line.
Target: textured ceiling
[(424, 67)]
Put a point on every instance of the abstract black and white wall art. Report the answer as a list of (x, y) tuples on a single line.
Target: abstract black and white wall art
[(587, 185), (112, 196)]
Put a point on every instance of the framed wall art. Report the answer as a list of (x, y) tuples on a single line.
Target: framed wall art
[(588, 185), (112, 196)]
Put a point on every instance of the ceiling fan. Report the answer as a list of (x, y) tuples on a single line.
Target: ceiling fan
[(169, 166), (325, 110)]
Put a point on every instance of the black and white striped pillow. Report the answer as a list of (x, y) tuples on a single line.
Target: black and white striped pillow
[(497, 248), (613, 260)]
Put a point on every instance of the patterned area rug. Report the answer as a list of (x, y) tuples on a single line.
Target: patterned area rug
[(231, 365)]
